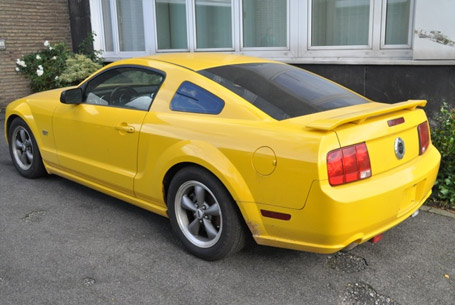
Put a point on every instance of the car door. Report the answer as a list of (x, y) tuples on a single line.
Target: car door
[(98, 139)]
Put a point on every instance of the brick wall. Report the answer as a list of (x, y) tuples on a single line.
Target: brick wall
[(25, 25)]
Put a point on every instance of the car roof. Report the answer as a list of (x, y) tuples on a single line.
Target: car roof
[(202, 61)]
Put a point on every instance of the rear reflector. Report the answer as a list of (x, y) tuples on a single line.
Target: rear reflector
[(376, 239), (395, 122), (348, 164), (424, 137), (276, 215)]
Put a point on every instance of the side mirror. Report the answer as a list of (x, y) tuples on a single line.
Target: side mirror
[(71, 96)]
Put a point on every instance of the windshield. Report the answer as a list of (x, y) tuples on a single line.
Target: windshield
[(282, 91)]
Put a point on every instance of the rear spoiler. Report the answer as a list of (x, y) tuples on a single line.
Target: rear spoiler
[(360, 116)]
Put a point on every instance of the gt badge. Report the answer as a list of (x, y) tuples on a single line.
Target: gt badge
[(399, 148)]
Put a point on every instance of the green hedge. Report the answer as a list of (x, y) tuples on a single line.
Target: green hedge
[(443, 137)]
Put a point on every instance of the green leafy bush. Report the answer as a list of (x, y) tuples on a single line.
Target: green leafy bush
[(55, 66), (86, 48), (43, 67), (78, 67), (443, 137)]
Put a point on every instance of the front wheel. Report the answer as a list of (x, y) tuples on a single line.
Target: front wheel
[(203, 214), (24, 150)]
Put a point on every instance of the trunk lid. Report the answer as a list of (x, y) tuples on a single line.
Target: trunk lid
[(370, 124)]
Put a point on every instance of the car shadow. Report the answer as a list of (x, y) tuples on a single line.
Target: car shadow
[(157, 223), (90, 200)]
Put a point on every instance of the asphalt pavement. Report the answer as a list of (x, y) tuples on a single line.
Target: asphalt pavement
[(62, 243)]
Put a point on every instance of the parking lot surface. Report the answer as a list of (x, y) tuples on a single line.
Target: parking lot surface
[(62, 243)]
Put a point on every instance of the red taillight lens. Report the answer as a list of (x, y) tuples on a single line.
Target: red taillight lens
[(424, 137), (363, 161), (348, 164), (335, 167)]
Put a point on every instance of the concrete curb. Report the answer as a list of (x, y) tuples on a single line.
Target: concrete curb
[(437, 211)]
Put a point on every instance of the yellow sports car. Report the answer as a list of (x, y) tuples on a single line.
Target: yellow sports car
[(229, 145)]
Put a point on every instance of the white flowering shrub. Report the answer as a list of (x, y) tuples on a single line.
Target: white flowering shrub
[(43, 67), (55, 66)]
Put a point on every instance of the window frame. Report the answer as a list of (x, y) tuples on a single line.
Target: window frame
[(115, 31), (341, 47), (298, 49), (194, 30), (155, 30), (410, 28), (288, 25)]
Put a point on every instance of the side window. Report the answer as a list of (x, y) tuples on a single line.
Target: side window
[(124, 87), (192, 98)]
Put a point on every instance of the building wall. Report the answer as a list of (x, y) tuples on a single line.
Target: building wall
[(395, 83), (25, 25)]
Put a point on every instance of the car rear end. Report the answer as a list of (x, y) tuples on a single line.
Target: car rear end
[(382, 172)]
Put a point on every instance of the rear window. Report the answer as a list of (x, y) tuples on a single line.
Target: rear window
[(282, 91)]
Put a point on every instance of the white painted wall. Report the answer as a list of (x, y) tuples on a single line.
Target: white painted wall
[(434, 30)]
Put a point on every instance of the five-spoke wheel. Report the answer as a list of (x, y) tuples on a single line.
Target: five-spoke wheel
[(203, 214), (198, 214), (24, 150)]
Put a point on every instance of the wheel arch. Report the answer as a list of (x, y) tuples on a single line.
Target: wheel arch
[(181, 165), (244, 214), (159, 167), (8, 122), (228, 176), (213, 160), (23, 112)]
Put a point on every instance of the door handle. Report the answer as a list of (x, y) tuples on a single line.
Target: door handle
[(125, 128)]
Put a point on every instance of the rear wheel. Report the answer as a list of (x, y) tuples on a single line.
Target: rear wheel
[(24, 150), (203, 214)]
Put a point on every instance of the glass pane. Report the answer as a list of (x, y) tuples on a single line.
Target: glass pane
[(130, 20), (213, 24), (397, 21), (282, 91), (340, 22), (171, 24), (107, 23), (124, 87), (192, 98), (264, 23)]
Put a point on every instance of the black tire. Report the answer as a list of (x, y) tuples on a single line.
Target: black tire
[(24, 150), (217, 236)]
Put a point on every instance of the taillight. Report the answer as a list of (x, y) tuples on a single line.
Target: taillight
[(424, 137), (348, 164)]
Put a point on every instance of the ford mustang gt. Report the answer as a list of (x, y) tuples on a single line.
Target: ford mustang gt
[(228, 146)]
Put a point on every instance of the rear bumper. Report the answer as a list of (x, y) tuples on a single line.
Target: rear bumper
[(335, 217)]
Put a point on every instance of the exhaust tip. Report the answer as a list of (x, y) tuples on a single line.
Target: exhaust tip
[(415, 213), (350, 246)]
